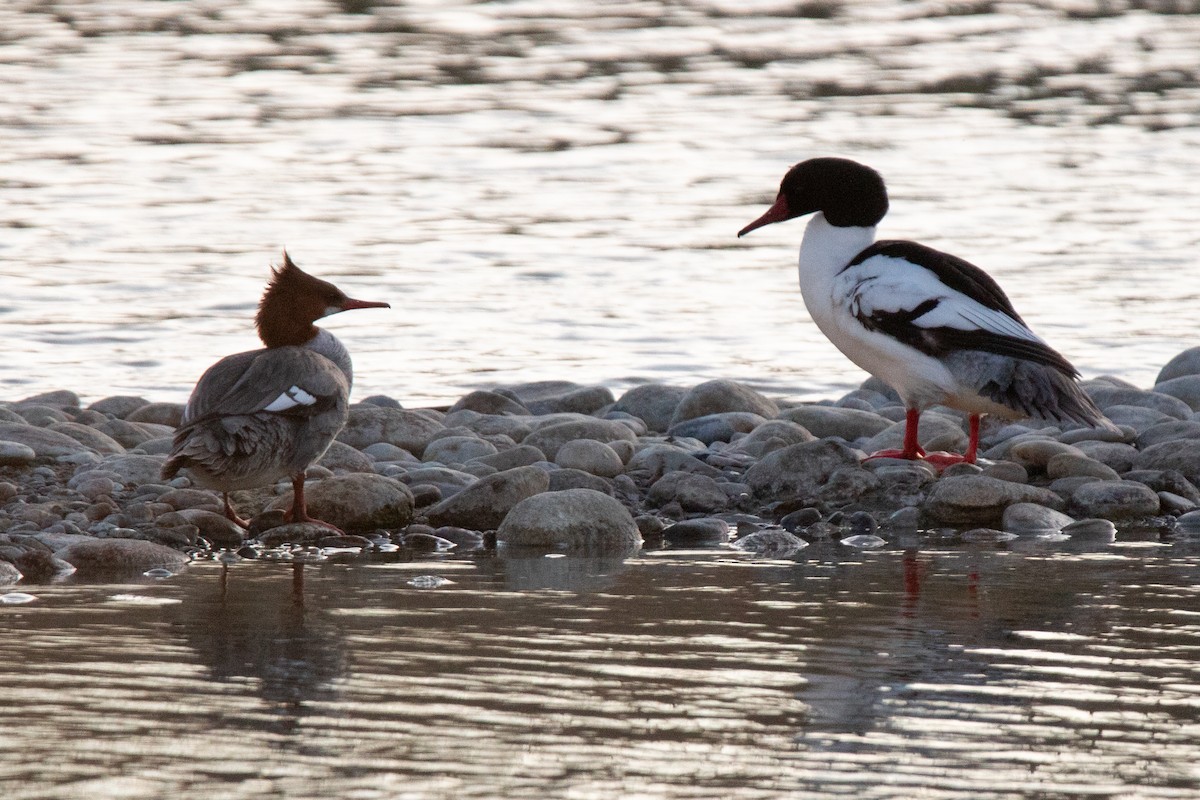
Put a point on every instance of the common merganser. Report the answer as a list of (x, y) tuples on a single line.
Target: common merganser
[(932, 326), (262, 415)]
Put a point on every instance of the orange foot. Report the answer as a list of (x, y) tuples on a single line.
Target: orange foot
[(297, 518), (939, 459)]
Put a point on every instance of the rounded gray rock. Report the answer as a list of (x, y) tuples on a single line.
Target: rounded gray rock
[(344, 458), (692, 492), (118, 406), (1033, 518), (158, 414), (46, 444), (1185, 363), (15, 454), (719, 396), (1066, 465), (487, 402), (1185, 388), (652, 403), (458, 449), (848, 423), (119, 557), (799, 469), (976, 499), (590, 456), (578, 519), (1183, 456), (484, 504), (1115, 500), (88, 436), (368, 424), (356, 501), (716, 427), (550, 438), (704, 532), (1106, 396)]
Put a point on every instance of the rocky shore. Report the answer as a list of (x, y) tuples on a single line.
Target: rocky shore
[(570, 467)]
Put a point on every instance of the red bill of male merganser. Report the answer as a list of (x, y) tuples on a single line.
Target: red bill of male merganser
[(262, 415), (932, 326)]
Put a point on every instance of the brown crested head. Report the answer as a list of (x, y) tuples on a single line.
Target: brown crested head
[(294, 300)]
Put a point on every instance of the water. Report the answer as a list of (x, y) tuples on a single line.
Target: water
[(1029, 670), (550, 189)]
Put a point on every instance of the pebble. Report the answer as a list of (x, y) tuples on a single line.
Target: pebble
[(659, 453), (119, 557)]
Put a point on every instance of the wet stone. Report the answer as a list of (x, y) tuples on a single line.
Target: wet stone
[(800, 519), (704, 532), (771, 543), (1033, 518), (577, 519), (113, 557)]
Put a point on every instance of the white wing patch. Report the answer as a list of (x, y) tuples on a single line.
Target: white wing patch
[(887, 284), (293, 397)]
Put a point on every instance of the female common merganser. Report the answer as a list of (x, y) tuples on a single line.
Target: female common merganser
[(258, 416), (932, 326)]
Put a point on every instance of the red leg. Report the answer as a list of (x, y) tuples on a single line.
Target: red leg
[(912, 449), (299, 512), (943, 460), (231, 515)]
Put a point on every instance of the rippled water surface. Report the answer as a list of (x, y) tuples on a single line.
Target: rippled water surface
[(551, 188), (1037, 670)]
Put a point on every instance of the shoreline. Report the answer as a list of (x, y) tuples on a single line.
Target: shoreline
[(558, 465)]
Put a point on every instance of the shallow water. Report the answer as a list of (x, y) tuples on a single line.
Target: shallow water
[(550, 189), (946, 670)]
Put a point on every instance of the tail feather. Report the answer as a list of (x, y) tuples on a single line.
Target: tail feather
[(1043, 392)]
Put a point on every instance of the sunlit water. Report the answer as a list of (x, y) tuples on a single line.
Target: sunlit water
[(1035, 670), (550, 189)]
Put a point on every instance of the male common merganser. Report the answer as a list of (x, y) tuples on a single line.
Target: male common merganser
[(932, 326), (262, 415)]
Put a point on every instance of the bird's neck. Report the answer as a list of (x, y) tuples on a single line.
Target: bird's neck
[(827, 249), (328, 345)]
